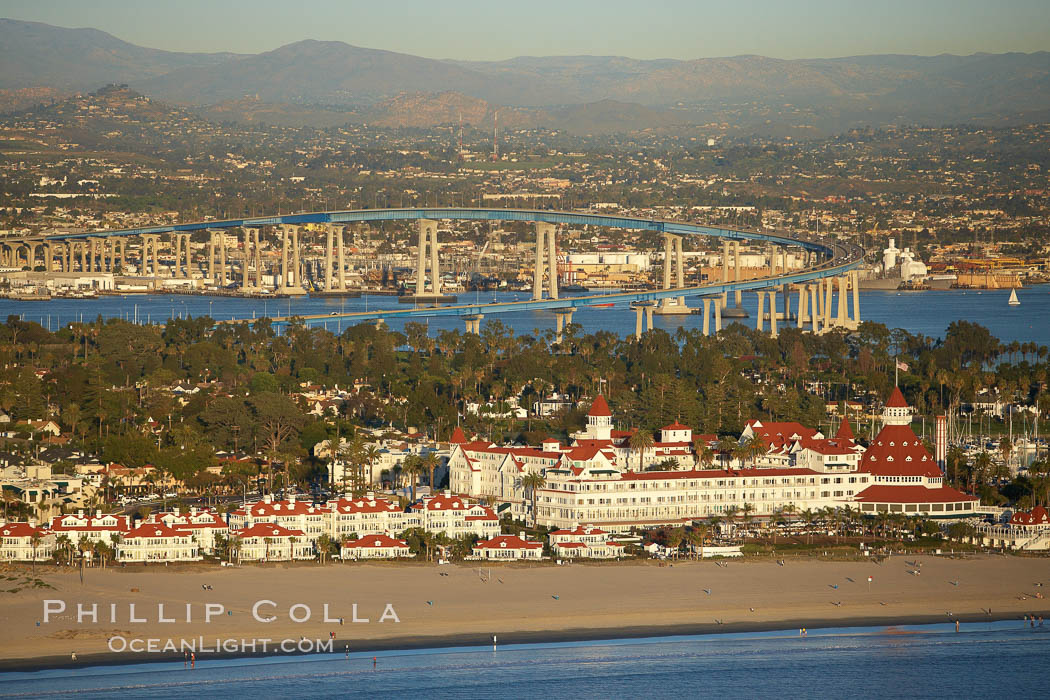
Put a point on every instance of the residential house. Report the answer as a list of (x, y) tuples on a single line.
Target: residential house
[(507, 547), (375, 547)]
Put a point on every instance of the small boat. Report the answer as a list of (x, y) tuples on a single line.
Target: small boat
[(1014, 301)]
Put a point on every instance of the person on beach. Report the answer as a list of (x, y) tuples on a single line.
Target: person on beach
[(193, 660), (347, 652), (374, 661)]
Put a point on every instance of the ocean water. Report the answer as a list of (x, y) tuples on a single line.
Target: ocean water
[(1001, 659), (928, 313)]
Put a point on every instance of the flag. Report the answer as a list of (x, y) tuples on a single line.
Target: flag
[(902, 366)]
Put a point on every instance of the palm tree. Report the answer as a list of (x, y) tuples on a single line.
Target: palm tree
[(84, 545), (727, 448), (532, 482), (696, 536), (808, 516), (234, 548), (641, 441), (63, 545), (981, 466), (267, 541), (102, 550), (34, 542), (731, 512), (753, 450), (430, 463), (674, 540), (368, 458), (776, 519), (413, 467), (746, 511), (705, 457), (324, 545)]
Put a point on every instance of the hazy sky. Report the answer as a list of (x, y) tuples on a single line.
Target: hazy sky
[(495, 29)]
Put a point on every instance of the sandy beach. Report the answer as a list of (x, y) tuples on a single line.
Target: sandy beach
[(465, 605)]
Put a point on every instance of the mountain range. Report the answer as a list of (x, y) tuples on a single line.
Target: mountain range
[(328, 81)]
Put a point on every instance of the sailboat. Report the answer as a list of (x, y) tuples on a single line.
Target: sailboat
[(1014, 301)]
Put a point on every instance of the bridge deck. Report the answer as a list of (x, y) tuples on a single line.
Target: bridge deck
[(841, 257)]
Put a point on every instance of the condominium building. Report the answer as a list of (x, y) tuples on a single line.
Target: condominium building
[(506, 547), (156, 542), (25, 542), (375, 547), (585, 542)]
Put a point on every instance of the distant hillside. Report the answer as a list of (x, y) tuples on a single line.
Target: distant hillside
[(327, 79), (40, 55), (329, 72), (425, 110)]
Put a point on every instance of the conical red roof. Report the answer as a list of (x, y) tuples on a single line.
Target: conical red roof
[(897, 451), (845, 432), (599, 407), (897, 399), (458, 438)]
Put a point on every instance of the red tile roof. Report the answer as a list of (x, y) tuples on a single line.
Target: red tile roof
[(375, 542), (897, 399), (268, 530), (897, 451), (261, 508), (198, 521), (581, 530), (885, 493), (845, 431), (154, 530), (458, 437), (835, 446), (775, 434), (508, 542), (599, 407), (19, 530), (1037, 516), (362, 505), (69, 523)]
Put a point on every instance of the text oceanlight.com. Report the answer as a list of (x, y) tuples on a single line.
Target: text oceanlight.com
[(200, 645)]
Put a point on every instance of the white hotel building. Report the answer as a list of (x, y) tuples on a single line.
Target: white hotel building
[(803, 471)]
